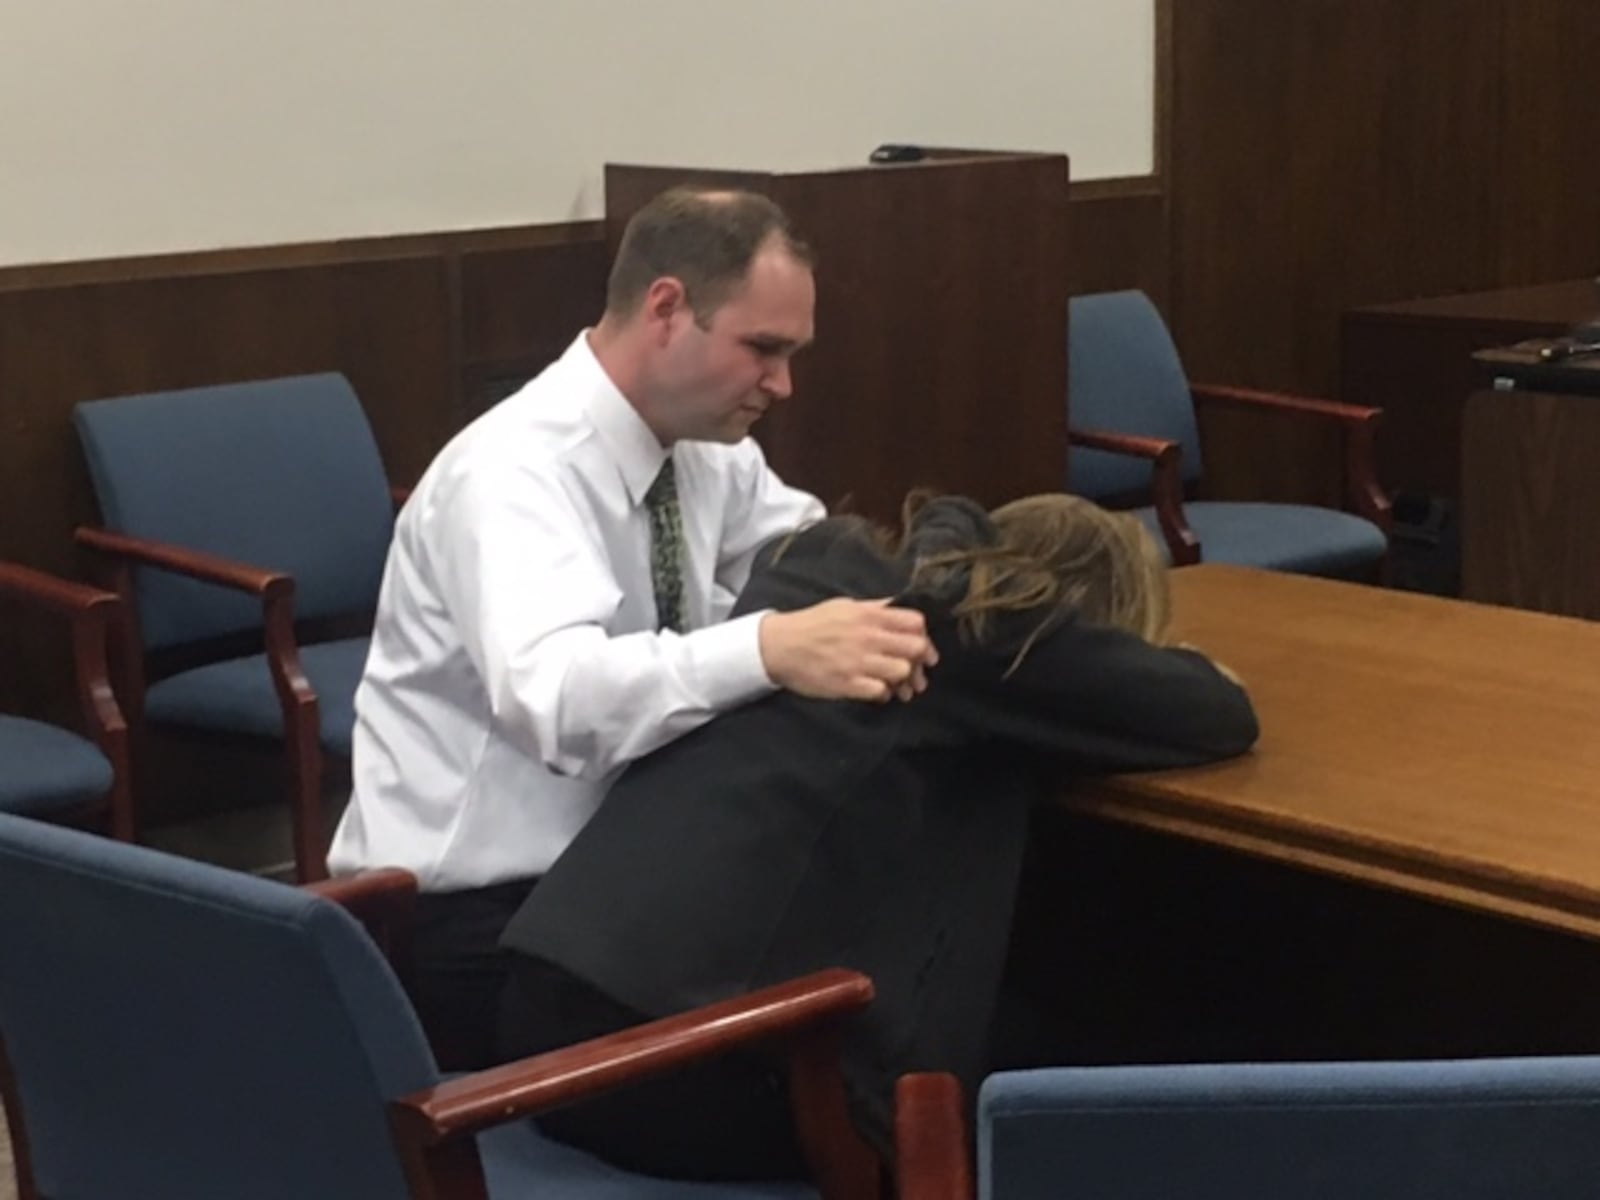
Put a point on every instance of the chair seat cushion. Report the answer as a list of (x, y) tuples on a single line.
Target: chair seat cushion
[(1298, 538), (236, 695), (45, 769), (520, 1161)]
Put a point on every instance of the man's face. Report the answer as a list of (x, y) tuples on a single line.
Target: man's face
[(717, 381)]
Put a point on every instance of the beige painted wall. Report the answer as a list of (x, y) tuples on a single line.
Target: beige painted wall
[(144, 126)]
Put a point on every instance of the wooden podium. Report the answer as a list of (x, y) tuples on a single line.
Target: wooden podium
[(1529, 487), (941, 350)]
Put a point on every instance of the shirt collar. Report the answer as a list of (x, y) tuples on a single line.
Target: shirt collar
[(634, 448)]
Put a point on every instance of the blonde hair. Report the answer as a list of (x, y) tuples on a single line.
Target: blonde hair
[(1059, 556), (1054, 555)]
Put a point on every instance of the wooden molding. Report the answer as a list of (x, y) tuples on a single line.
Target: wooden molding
[(337, 252)]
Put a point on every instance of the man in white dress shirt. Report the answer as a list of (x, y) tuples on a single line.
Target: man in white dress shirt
[(555, 600)]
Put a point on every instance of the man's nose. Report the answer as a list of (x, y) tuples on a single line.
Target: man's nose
[(779, 383)]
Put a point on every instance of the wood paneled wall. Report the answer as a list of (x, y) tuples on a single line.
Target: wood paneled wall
[(1118, 238), (1332, 153), (417, 325)]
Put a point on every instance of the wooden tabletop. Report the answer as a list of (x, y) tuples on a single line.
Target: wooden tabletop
[(1440, 747), (1570, 302)]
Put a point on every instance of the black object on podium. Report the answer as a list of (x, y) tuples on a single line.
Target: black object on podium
[(1569, 364)]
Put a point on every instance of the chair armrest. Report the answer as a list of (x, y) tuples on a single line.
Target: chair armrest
[(1166, 483), (1363, 493), (483, 1099), (296, 697), (1349, 414), (1133, 445), (399, 494), (181, 560), (275, 588), (933, 1151), (50, 591), (384, 901), (94, 615), (439, 1161)]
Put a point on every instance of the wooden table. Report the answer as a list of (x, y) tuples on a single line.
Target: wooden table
[(1445, 749)]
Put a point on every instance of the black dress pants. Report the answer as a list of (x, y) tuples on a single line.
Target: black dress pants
[(725, 1119), (458, 969)]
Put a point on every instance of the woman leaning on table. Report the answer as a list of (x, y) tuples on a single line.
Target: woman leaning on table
[(796, 834)]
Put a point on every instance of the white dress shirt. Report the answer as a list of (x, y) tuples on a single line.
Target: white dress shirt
[(515, 663)]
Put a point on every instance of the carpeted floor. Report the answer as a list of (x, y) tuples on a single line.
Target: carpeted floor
[(8, 1182)]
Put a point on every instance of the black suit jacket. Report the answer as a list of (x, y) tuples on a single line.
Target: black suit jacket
[(795, 834)]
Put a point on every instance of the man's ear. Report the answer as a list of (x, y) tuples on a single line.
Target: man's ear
[(665, 303)]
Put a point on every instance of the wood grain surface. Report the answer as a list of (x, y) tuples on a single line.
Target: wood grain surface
[(1436, 746)]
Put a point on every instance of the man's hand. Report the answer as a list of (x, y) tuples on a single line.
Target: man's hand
[(848, 650)]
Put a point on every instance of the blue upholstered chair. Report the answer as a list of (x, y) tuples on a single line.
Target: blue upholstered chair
[(173, 1029), (240, 510), (1463, 1130), (57, 774), (1134, 433)]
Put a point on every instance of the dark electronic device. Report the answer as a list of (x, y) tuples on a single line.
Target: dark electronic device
[(1570, 363), (1585, 339), (895, 152)]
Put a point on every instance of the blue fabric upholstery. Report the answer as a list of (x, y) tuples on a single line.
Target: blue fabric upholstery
[(1322, 1131), (520, 1163), (182, 1031), (237, 695), (185, 1031), (46, 770), (1124, 376), (282, 474), (1301, 538)]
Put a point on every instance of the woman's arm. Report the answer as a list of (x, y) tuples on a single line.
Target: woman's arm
[(1106, 700)]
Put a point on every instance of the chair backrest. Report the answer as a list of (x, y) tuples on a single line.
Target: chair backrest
[(282, 474), (179, 1030), (1124, 376), (1317, 1131)]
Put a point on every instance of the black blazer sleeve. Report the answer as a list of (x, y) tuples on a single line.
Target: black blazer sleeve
[(1104, 699)]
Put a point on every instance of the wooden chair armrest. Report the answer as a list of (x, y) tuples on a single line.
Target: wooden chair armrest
[(50, 591), (1131, 444), (384, 901), (487, 1098), (933, 1149), (1166, 483), (94, 614), (802, 1013), (1349, 414), (275, 589), (196, 564), (1363, 494), (296, 697)]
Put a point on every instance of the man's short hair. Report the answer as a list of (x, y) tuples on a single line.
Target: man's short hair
[(705, 238)]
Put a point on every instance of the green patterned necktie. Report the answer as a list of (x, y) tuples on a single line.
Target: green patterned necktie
[(666, 548)]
